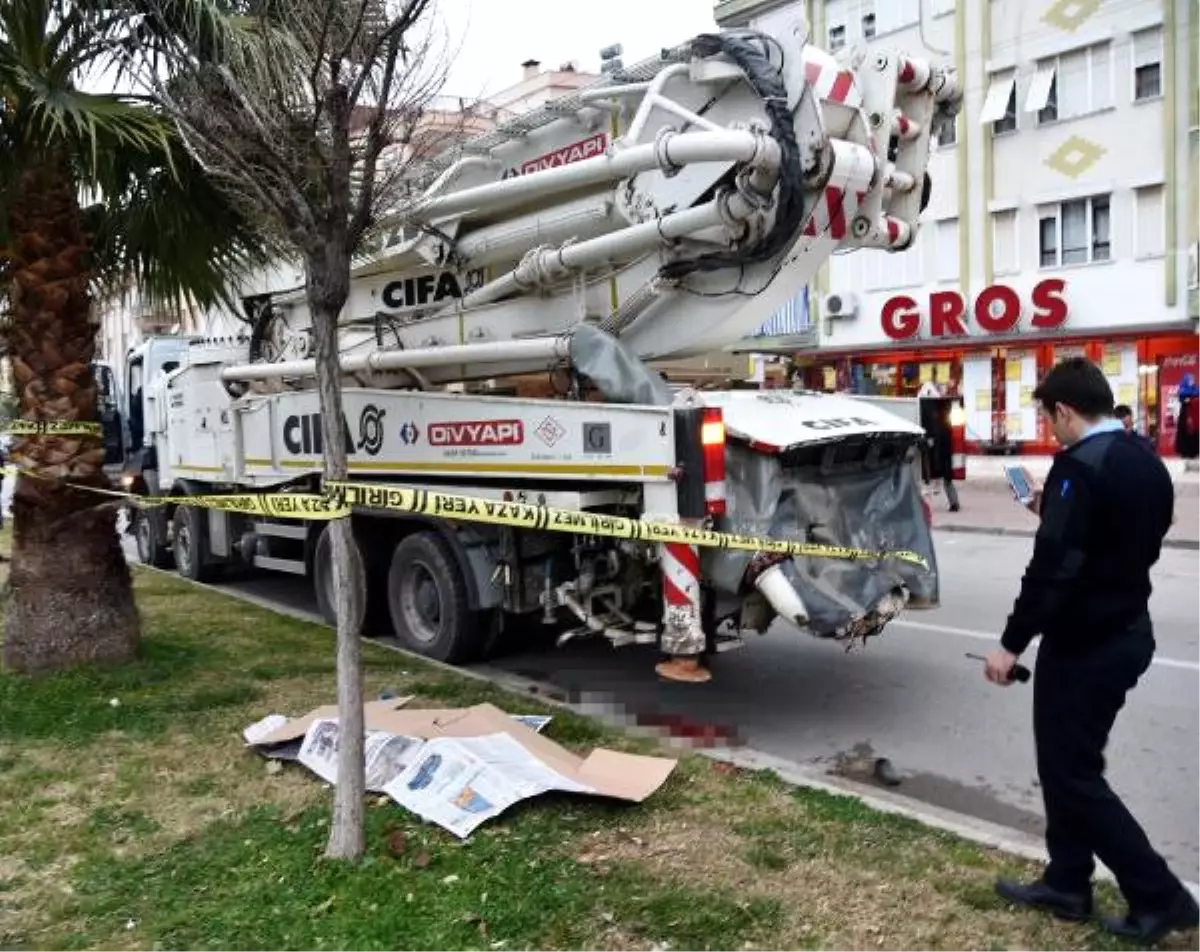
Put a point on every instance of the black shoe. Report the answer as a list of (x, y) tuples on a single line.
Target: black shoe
[(955, 507), (1150, 928), (1074, 907)]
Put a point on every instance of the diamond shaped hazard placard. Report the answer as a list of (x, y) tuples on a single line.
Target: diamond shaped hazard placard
[(1075, 156), (550, 431)]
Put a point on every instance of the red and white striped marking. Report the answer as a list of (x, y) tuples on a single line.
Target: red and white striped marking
[(830, 81), (832, 213), (681, 575)]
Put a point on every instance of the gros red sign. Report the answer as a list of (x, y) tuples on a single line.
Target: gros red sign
[(997, 310)]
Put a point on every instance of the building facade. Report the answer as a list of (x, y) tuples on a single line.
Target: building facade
[(1063, 219)]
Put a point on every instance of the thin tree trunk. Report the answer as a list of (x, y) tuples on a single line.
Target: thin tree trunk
[(346, 830), (70, 594)]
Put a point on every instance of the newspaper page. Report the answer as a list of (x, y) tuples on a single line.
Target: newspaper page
[(319, 752), (462, 782), (521, 768), (387, 757), (536, 721), (264, 728)]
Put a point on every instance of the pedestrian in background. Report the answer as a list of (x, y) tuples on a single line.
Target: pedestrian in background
[(939, 441), (1125, 415), (1105, 507), (1187, 421)]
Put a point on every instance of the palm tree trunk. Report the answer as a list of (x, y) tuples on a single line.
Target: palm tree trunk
[(70, 596)]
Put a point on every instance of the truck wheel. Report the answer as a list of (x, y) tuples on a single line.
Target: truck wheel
[(427, 596), (322, 571), (150, 551), (190, 543)]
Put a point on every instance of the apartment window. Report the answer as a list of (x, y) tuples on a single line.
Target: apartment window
[(947, 133), (868, 25), (1151, 231), (1004, 242), (1147, 64), (947, 249), (1000, 106), (897, 14), (1075, 232), (1073, 84), (837, 37)]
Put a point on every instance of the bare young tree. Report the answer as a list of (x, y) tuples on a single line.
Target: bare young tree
[(310, 121)]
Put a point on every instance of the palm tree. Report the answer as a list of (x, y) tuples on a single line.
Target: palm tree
[(96, 191)]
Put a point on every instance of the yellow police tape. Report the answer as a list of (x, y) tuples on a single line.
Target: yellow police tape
[(341, 498), (546, 518), (52, 428)]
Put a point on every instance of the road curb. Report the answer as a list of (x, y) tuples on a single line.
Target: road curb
[(983, 832), (1186, 544)]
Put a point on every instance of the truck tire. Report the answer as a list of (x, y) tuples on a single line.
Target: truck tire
[(150, 551), (427, 597), (322, 580), (190, 543)]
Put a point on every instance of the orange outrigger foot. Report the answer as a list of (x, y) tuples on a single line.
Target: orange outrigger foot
[(686, 669)]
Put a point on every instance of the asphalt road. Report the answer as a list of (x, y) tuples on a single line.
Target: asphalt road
[(911, 696)]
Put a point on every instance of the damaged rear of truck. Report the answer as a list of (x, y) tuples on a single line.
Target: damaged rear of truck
[(829, 470)]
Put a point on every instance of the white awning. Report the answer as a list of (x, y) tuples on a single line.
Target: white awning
[(1039, 89), (996, 104)]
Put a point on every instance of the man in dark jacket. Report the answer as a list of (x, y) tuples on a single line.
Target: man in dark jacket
[(1105, 507)]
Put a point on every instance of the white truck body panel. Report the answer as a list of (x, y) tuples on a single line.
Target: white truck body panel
[(268, 440), (780, 420)]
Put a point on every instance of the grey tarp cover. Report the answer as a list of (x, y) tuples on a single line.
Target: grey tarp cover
[(877, 509), (614, 369)]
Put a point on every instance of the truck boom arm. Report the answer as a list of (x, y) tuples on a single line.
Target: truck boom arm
[(746, 159)]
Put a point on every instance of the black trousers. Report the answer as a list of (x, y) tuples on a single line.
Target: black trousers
[(1076, 699)]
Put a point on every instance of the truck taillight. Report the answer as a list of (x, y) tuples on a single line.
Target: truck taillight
[(712, 440)]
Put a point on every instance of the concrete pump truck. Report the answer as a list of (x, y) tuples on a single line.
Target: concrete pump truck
[(664, 212)]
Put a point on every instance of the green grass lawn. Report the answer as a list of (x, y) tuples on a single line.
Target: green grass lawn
[(131, 816)]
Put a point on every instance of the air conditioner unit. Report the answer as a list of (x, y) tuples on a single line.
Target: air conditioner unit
[(838, 305)]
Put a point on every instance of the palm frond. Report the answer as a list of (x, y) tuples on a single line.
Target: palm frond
[(165, 228), (156, 221)]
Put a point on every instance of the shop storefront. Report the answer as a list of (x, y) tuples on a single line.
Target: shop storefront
[(996, 371)]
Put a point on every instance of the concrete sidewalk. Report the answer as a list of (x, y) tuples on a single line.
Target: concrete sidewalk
[(989, 508), (991, 468)]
